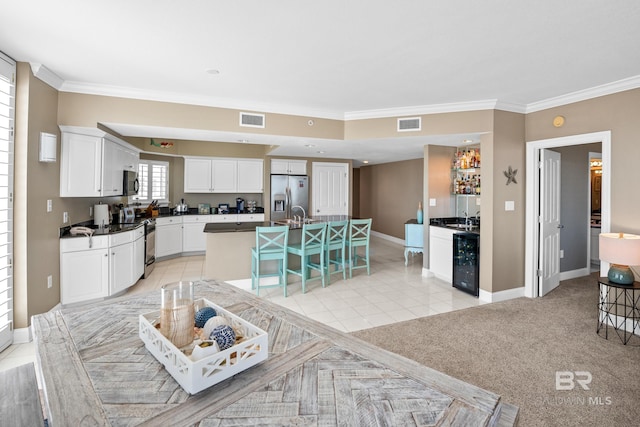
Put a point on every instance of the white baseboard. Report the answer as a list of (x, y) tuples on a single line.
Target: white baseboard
[(581, 272), (501, 295), (427, 273), (22, 335), (627, 324), (387, 237)]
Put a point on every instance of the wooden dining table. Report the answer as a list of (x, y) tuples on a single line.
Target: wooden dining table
[(95, 371)]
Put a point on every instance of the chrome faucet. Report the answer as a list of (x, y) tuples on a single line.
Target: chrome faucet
[(304, 214)]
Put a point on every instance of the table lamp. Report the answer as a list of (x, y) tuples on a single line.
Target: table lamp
[(621, 250)]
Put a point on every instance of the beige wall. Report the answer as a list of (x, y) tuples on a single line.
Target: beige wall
[(88, 110), (439, 182), (618, 113), (508, 237), (390, 193), (40, 108)]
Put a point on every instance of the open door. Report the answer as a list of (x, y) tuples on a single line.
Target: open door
[(549, 245)]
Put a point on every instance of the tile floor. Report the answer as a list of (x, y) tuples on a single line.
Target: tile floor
[(392, 293)]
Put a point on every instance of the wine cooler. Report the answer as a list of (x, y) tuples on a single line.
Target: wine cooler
[(466, 262)]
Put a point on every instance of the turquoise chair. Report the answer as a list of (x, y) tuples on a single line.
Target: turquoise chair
[(336, 241), (359, 236), (271, 245), (313, 241)]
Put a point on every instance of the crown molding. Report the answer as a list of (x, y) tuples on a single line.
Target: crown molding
[(583, 95), (488, 104), (46, 75), (190, 99)]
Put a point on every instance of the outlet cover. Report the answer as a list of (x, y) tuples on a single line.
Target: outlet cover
[(49, 281), (65, 217), (49, 205)]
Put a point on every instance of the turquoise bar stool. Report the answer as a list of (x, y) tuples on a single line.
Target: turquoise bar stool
[(336, 241), (313, 241), (271, 245), (359, 236)]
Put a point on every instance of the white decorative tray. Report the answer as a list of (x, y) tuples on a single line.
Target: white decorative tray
[(195, 376)]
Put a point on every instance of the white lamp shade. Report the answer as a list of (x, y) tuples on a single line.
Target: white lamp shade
[(620, 248)]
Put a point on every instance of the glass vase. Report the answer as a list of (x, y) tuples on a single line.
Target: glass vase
[(177, 313)]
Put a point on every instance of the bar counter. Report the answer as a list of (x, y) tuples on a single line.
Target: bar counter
[(228, 253)]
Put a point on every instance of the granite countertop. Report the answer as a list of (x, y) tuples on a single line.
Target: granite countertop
[(230, 227), (457, 223), (98, 231)]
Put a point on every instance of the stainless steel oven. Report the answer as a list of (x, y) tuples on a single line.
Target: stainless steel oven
[(149, 246)]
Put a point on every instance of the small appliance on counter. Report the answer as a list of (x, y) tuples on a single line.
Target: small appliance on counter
[(223, 208), (251, 206), (239, 205), (182, 207), (101, 215)]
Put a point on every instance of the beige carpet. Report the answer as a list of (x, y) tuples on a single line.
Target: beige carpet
[(514, 348)]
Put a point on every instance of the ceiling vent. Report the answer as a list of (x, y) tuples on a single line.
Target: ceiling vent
[(252, 120), (409, 124)]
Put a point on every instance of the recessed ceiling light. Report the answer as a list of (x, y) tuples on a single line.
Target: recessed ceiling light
[(243, 140), (365, 161), (467, 141), (213, 71), (310, 145), (320, 152)]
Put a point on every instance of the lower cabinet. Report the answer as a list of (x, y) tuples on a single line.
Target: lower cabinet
[(441, 253), (84, 269), (100, 266), (120, 267), (194, 239), (168, 236)]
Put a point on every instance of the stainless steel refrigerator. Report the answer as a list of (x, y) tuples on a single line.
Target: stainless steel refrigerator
[(288, 191)]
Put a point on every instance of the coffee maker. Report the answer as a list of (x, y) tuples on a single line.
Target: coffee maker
[(240, 205)]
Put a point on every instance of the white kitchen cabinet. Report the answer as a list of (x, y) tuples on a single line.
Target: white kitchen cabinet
[(288, 167), (168, 236), (194, 239), (209, 175), (250, 176), (441, 253), (253, 217), (84, 269), (121, 268), (92, 162)]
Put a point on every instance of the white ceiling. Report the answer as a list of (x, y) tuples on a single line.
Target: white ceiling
[(342, 59)]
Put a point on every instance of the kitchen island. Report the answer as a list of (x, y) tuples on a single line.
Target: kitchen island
[(228, 253), (95, 370)]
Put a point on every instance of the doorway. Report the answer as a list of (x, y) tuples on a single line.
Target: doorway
[(533, 250)]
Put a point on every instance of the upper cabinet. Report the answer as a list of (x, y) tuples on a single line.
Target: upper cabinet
[(218, 175), (92, 162), (288, 167), (250, 176)]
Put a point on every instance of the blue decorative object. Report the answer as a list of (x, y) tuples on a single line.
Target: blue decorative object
[(204, 314), (420, 214), (224, 335)]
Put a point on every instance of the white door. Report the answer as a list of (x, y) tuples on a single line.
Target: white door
[(7, 109), (330, 188), (549, 245)]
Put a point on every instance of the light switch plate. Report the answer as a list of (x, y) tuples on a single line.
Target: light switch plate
[(49, 205), (509, 205), (432, 202)]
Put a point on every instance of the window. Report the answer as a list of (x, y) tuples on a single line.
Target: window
[(7, 111), (154, 182)]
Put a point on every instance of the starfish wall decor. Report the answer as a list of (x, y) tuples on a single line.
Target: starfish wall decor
[(511, 175)]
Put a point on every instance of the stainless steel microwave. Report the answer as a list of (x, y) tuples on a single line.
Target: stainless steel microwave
[(131, 185)]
